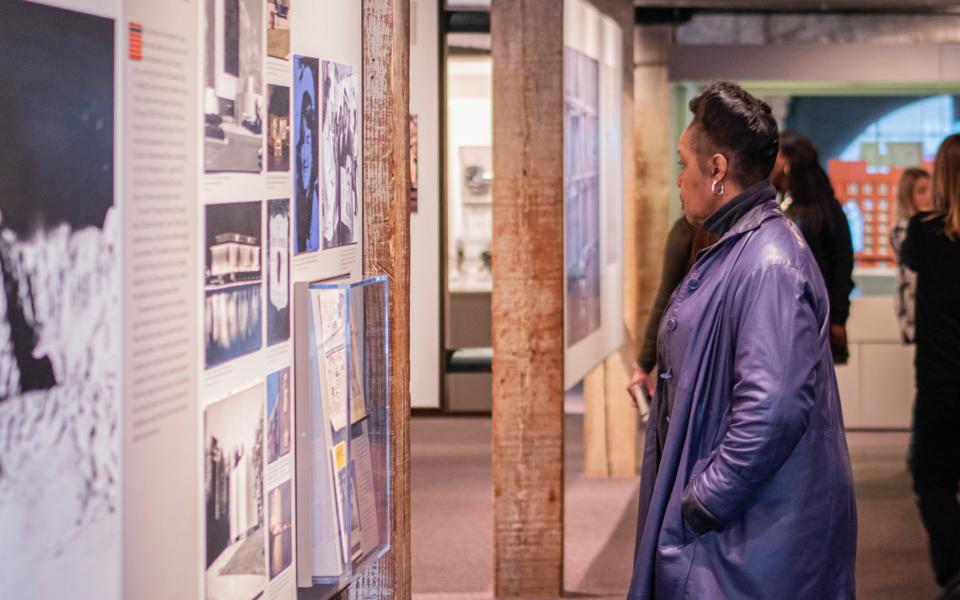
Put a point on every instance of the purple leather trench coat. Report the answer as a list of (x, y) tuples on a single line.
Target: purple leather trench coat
[(755, 445)]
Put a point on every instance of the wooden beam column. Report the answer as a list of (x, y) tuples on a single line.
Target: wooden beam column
[(386, 250), (527, 48)]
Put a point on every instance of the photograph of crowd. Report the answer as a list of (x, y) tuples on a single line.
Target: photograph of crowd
[(341, 218)]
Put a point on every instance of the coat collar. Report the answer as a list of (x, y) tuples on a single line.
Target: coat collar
[(756, 216), (730, 214)]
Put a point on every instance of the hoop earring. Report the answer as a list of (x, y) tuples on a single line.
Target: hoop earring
[(713, 188)]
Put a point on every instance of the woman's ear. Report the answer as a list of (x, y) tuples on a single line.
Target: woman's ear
[(718, 167)]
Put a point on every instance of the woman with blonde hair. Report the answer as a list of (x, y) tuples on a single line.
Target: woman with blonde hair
[(932, 249), (913, 196)]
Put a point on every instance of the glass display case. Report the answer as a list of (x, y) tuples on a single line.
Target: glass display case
[(342, 396)]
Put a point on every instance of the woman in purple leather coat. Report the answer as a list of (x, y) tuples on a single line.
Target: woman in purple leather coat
[(746, 489)]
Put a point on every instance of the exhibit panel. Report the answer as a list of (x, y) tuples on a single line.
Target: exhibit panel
[(281, 187), (593, 188), (175, 170)]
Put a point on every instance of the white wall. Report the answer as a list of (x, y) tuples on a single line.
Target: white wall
[(425, 312), (469, 123)]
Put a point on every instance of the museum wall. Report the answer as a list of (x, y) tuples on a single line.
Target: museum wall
[(184, 179), (425, 313)]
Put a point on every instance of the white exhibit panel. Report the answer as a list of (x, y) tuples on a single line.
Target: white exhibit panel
[(593, 188), (425, 311), (281, 188), (172, 171)]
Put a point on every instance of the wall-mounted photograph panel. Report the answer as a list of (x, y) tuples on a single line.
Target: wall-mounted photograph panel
[(233, 497), (233, 281), (306, 173), (278, 271), (341, 196), (593, 188), (278, 128), (233, 86)]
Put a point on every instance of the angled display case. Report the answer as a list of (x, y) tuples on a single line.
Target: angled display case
[(342, 403)]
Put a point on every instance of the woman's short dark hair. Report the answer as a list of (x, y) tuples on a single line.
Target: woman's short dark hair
[(731, 121)]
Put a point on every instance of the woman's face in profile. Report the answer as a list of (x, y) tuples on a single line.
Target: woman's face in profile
[(306, 149), (696, 196), (922, 195)]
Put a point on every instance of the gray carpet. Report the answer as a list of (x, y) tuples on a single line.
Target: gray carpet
[(452, 517)]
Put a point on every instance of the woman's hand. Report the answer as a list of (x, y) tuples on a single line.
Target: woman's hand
[(644, 380)]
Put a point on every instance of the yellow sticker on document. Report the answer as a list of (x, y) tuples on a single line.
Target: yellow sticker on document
[(340, 455)]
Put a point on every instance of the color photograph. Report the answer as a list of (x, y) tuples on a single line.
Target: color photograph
[(60, 331), (233, 86), (279, 416), (581, 174), (278, 28), (278, 128), (306, 205), (233, 497), (341, 210), (232, 277), (278, 271), (281, 528)]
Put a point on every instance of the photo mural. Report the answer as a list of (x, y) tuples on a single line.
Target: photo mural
[(60, 336)]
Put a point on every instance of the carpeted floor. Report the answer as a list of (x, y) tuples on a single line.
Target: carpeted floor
[(452, 518)]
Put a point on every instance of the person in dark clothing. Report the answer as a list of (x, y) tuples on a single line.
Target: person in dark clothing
[(809, 201), (684, 242), (932, 250)]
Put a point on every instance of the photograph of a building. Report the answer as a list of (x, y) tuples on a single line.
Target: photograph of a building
[(60, 295), (306, 144), (278, 128), (233, 86), (278, 28), (233, 496), (340, 118), (280, 528), (233, 277), (278, 271), (581, 176), (279, 416)]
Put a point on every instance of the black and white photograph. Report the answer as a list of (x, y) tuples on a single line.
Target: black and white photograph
[(306, 144), (340, 118), (60, 335), (233, 277), (278, 28), (233, 86), (278, 271), (281, 528), (278, 128), (279, 416), (581, 174), (233, 496)]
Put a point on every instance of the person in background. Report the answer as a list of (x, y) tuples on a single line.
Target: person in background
[(684, 242), (932, 250), (913, 196), (746, 490), (808, 199)]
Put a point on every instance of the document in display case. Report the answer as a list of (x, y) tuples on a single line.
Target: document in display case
[(342, 404)]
